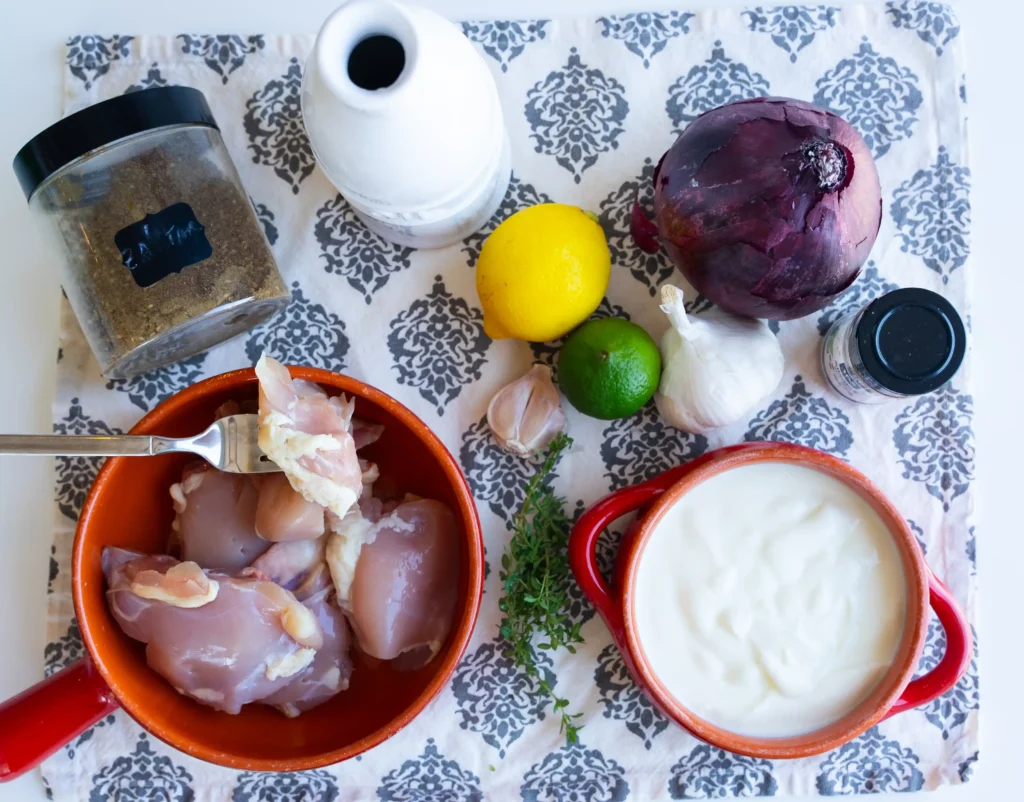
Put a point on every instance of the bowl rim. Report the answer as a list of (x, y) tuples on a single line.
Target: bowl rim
[(234, 380), (869, 711)]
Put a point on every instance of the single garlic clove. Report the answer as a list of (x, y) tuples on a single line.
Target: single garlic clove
[(525, 415)]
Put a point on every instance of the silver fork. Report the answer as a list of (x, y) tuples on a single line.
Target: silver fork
[(229, 445)]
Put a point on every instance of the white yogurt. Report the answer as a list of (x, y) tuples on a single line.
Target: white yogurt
[(770, 600)]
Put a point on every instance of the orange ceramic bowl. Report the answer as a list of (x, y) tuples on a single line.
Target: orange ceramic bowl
[(129, 506), (895, 693)]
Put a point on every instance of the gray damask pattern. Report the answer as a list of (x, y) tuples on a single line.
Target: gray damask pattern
[(350, 249), (430, 777), (266, 218), (300, 786), (575, 774), (932, 211), (223, 54), (74, 475), (641, 447), (496, 477), (919, 536), (645, 33), (578, 607), (966, 770), (801, 417), (273, 123), (792, 28), (650, 269), (89, 57), (54, 571), (149, 389), (868, 286), (874, 94), (708, 772), (495, 698), (438, 345), (623, 700), (303, 334), (71, 748), (698, 305), (142, 775), (950, 711), (504, 40), (576, 114), (934, 23), (870, 764), (64, 651), (935, 442), (153, 78), (712, 83)]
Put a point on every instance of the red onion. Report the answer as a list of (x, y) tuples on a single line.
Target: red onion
[(769, 207)]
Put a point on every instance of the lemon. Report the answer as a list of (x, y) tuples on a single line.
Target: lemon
[(542, 272), (609, 368)]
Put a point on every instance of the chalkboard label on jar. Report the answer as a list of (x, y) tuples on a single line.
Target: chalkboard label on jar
[(163, 243)]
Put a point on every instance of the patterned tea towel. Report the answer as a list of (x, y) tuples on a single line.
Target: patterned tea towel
[(590, 105)]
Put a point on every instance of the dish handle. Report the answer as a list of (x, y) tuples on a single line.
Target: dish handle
[(38, 721), (954, 662), (583, 543)]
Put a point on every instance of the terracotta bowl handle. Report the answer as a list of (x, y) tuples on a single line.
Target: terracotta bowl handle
[(954, 662), (583, 542), (41, 719)]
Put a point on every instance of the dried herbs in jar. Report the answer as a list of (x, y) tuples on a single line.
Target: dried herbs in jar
[(163, 255)]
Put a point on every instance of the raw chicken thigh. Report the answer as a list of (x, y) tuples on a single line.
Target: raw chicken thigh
[(299, 566), (283, 514), (229, 408), (295, 565), (308, 435), (221, 640), (330, 670), (215, 520), (347, 537), (406, 577), (365, 433)]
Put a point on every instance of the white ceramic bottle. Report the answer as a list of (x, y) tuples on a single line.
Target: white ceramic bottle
[(404, 119)]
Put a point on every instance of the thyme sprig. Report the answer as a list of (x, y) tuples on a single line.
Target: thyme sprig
[(535, 576)]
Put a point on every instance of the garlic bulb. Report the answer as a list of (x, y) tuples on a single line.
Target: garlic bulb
[(525, 415), (716, 367)]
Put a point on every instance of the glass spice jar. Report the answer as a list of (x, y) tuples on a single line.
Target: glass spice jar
[(907, 342), (162, 253)]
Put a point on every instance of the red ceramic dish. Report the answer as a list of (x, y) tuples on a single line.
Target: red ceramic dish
[(129, 506), (894, 694)]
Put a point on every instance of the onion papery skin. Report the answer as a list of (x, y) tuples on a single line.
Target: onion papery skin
[(769, 207)]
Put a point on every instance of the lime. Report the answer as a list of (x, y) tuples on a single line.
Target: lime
[(609, 368)]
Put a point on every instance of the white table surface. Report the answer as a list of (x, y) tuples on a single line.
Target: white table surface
[(30, 89)]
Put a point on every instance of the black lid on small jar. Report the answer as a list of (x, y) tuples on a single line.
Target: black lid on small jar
[(911, 341), (104, 123)]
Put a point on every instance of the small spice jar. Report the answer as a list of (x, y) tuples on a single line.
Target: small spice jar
[(907, 342), (162, 253)]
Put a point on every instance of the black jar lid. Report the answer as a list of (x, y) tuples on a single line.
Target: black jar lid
[(911, 341), (106, 122)]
